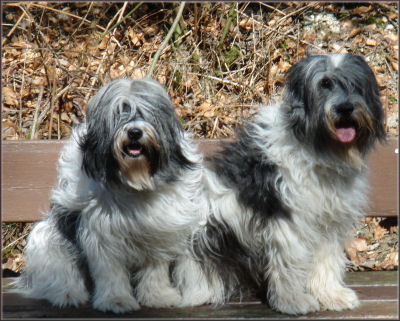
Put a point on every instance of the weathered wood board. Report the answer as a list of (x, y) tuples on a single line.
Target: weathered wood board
[(377, 292), (29, 173)]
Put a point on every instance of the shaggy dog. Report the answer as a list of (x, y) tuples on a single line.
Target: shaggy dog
[(286, 193), (125, 203)]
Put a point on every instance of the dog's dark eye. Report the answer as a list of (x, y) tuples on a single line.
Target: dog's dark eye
[(125, 108), (326, 83)]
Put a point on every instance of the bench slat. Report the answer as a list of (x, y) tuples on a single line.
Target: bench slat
[(377, 301), (25, 309), (29, 173)]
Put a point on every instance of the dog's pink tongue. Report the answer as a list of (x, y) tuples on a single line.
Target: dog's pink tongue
[(346, 134), (134, 151)]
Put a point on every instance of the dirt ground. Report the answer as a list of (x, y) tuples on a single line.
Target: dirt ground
[(223, 61)]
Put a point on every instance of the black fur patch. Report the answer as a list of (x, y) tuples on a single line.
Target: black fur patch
[(67, 223), (247, 170), (220, 251)]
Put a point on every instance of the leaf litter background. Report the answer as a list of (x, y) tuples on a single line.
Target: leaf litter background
[(223, 61)]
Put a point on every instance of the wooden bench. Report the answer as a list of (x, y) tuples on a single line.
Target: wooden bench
[(29, 173)]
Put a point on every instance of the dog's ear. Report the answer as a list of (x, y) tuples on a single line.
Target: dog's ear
[(370, 89), (96, 155), (294, 102), (295, 85)]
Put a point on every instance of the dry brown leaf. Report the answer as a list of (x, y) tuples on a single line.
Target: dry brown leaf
[(392, 38), (353, 255), (284, 66), (381, 80), (9, 130), (378, 69), (394, 64), (354, 32), (138, 73), (104, 42), (39, 81), (10, 97), (391, 261), (359, 244), (379, 232), (371, 42), (361, 10), (339, 49), (352, 250), (207, 109), (14, 263)]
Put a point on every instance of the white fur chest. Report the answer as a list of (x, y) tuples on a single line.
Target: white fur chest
[(146, 225)]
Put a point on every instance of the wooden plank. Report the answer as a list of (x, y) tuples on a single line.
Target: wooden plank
[(377, 302), (381, 278), (29, 173), (25, 309), (383, 175)]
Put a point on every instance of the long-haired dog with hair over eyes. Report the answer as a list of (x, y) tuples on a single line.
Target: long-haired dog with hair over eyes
[(123, 208), (285, 194)]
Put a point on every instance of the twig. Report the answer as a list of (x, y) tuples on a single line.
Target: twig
[(96, 76), (224, 81), (13, 242), (227, 25), (387, 7), (214, 127), (167, 38), (273, 8), (38, 5), (13, 28), (295, 12), (120, 20), (82, 22), (35, 117), (177, 40), (24, 13), (59, 124), (279, 32), (48, 105), (21, 92)]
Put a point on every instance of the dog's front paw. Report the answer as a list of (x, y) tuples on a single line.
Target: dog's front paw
[(295, 303), (162, 298), (196, 298), (118, 304), (68, 298), (338, 299)]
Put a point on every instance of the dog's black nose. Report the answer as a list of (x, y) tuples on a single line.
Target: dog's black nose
[(135, 133), (344, 109)]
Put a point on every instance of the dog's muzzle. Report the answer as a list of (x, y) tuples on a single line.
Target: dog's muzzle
[(346, 126), (134, 148)]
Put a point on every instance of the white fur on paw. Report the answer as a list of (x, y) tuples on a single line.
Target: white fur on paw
[(295, 303), (72, 297), (338, 299), (165, 298), (118, 304), (196, 299)]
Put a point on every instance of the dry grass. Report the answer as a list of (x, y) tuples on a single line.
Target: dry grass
[(56, 55)]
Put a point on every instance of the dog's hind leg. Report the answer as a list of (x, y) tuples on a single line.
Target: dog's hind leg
[(154, 288), (51, 271), (196, 286)]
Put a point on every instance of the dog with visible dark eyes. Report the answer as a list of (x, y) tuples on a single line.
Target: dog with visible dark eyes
[(126, 200), (286, 192)]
